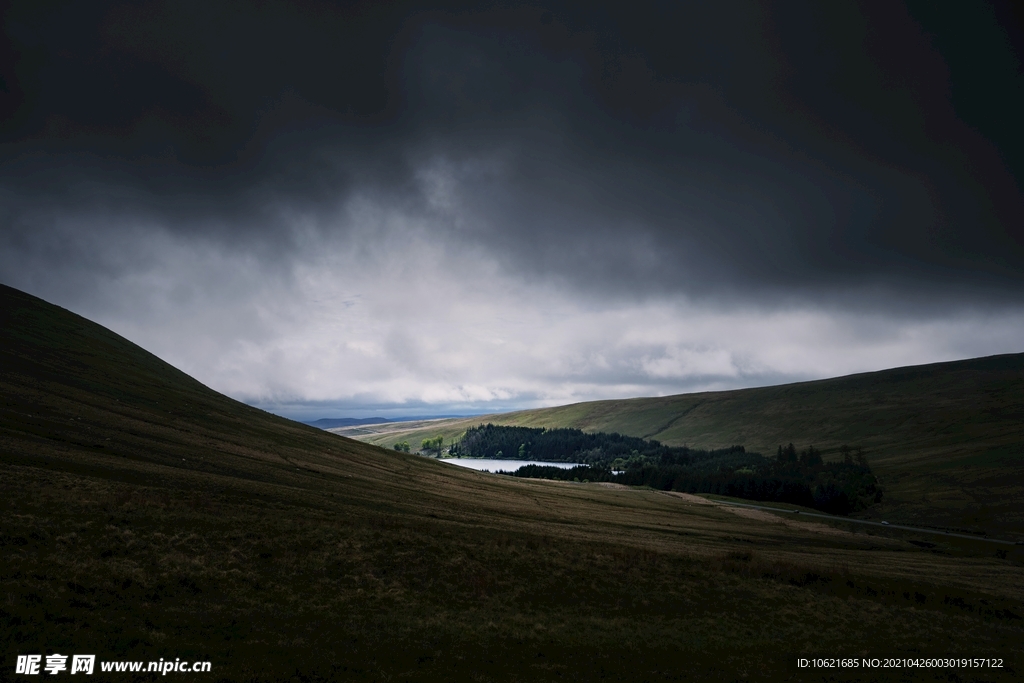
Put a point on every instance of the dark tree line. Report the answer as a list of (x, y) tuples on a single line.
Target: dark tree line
[(799, 478), (563, 445), (837, 488)]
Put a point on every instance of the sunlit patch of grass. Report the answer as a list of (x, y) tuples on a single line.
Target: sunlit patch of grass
[(944, 439)]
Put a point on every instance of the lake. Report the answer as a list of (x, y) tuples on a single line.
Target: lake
[(491, 465)]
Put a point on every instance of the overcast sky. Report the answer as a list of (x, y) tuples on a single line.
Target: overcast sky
[(363, 209)]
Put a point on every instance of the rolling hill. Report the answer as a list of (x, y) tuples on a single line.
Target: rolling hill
[(947, 440), (145, 516)]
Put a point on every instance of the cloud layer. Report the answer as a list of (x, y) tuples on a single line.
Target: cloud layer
[(419, 209)]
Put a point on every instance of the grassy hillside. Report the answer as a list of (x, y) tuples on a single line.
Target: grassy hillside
[(144, 516), (947, 440)]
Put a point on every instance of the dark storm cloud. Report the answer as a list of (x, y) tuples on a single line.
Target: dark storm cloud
[(798, 151), (740, 149)]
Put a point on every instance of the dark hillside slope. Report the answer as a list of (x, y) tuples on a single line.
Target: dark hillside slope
[(946, 439), (73, 389), (144, 516), (78, 397)]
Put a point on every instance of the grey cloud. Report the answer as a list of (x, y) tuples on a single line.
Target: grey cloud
[(236, 173), (750, 149)]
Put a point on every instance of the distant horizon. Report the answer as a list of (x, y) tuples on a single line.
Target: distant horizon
[(356, 413), (402, 418)]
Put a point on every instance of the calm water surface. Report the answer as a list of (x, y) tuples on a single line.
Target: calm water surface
[(489, 465)]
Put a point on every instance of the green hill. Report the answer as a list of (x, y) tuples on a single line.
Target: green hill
[(144, 516), (947, 440)]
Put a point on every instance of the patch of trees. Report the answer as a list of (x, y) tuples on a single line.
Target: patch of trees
[(557, 445), (799, 478), (434, 445), (402, 446)]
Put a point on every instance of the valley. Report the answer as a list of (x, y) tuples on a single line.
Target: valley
[(146, 516)]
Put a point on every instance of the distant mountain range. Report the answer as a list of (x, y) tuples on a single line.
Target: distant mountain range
[(332, 423)]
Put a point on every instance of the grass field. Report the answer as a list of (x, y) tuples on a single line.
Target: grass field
[(946, 440), (146, 516)]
